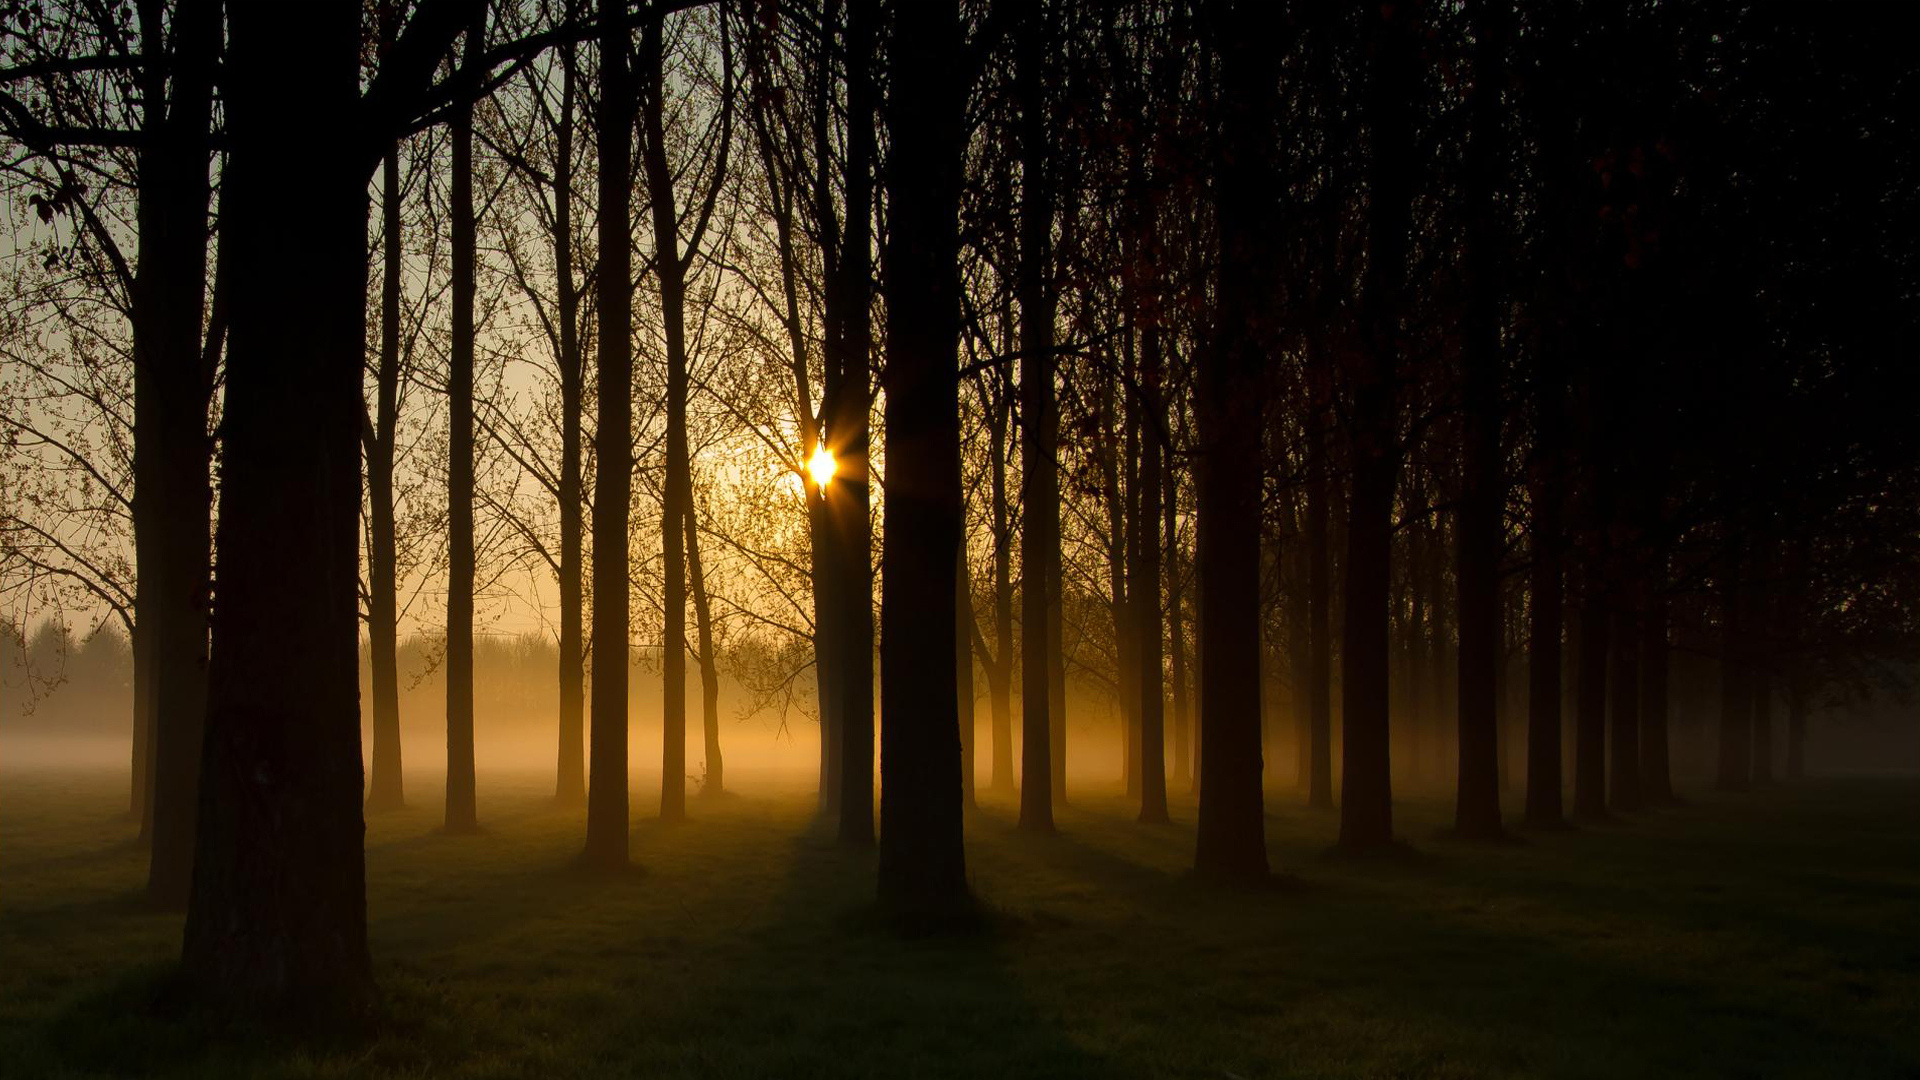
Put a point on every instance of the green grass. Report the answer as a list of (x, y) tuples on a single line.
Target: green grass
[(1775, 934)]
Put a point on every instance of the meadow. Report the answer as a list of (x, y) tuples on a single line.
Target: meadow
[(1773, 934)]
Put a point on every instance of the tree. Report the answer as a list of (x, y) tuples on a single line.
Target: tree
[(607, 826), (277, 914), (922, 858)]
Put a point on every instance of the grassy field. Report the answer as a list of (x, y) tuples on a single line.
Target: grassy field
[(1772, 935)]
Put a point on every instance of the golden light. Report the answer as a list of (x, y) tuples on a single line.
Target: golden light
[(821, 466)]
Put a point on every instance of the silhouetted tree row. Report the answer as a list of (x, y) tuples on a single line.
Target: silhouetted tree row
[(1533, 367)]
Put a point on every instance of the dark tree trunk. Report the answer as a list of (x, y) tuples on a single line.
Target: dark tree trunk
[(1117, 607), (1143, 584), (670, 271), (1623, 779), (1761, 688), (1040, 483), (1796, 724), (1366, 804), (922, 857), (963, 632), (1736, 702), (140, 804), (1546, 589), (278, 914), (1176, 628), (1478, 525), (570, 783), (173, 382), (1000, 669), (853, 530), (1590, 714), (461, 812), (1319, 601), (1656, 782), (714, 782), (385, 789), (607, 807), (1231, 838)]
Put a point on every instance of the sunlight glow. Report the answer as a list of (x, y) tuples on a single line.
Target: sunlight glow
[(821, 466)]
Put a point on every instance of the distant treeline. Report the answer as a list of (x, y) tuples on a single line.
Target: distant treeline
[(54, 680)]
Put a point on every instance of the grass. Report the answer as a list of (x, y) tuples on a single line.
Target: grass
[(1775, 934)]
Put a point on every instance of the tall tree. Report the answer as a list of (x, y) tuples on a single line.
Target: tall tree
[(1040, 420), (1366, 805), (462, 814), (607, 825), (1231, 840), (850, 402), (173, 384), (1478, 525), (922, 857), (278, 908)]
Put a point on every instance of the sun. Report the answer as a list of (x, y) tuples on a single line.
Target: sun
[(821, 465)]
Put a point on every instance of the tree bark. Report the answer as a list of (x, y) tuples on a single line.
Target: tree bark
[(1623, 779), (386, 787), (570, 778), (1231, 838), (277, 917), (715, 780), (173, 383), (1590, 714), (670, 271), (1366, 804), (1656, 783), (462, 814), (1143, 585), (1319, 601), (922, 859), (607, 806), (1736, 703), (1039, 458), (1477, 526), (853, 528)]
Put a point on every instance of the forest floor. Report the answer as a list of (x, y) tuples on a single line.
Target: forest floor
[(1774, 934)]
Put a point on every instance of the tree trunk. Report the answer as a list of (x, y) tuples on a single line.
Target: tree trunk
[(1590, 715), (1761, 683), (570, 783), (1477, 526), (1000, 670), (853, 529), (1176, 627), (963, 632), (1040, 660), (1231, 837), (1736, 703), (1656, 783), (386, 788), (670, 271), (1117, 607), (922, 858), (1143, 584), (461, 811), (1796, 724), (1623, 780), (1319, 601), (715, 781), (278, 912), (1366, 804), (173, 382), (607, 808), (1545, 592)]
